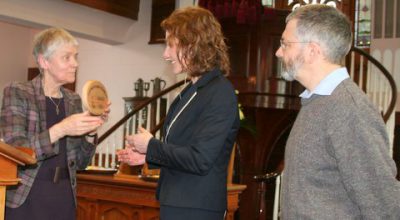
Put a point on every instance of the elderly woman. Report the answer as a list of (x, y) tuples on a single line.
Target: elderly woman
[(201, 124), (43, 115)]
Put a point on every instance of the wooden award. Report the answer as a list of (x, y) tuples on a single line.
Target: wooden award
[(94, 97)]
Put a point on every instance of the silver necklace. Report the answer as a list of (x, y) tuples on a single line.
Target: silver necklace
[(57, 105)]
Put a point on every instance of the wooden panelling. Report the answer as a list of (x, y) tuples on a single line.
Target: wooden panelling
[(106, 197), (260, 154), (161, 9), (125, 8), (252, 48)]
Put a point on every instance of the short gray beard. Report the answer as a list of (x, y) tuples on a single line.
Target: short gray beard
[(289, 71), (288, 75)]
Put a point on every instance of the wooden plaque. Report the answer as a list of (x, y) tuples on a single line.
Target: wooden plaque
[(94, 97)]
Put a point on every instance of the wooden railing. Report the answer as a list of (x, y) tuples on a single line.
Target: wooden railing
[(137, 110), (374, 79), (113, 138)]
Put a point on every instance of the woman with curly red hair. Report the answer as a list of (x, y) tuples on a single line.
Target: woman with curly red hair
[(201, 124)]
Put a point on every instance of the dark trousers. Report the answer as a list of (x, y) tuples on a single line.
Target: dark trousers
[(177, 213)]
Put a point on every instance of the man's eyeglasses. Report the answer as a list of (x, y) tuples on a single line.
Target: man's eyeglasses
[(284, 44)]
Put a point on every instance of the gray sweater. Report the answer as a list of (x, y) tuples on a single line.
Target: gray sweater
[(337, 162)]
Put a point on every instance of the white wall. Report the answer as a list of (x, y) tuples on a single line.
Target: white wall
[(117, 66), (15, 50), (80, 20)]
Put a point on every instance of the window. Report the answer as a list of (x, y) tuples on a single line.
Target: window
[(363, 24)]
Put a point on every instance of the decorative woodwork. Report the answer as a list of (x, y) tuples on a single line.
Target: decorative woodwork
[(125, 8), (10, 158), (34, 71), (255, 67), (106, 197), (259, 154), (348, 7), (161, 9)]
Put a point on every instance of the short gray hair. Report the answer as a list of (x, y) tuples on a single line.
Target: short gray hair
[(326, 26), (49, 40)]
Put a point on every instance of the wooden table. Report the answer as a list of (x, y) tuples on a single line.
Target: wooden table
[(108, 197)]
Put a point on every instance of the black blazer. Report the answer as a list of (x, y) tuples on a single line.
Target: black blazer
[(200, 127)]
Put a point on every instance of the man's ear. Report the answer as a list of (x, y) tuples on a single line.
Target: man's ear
[(315, 52)]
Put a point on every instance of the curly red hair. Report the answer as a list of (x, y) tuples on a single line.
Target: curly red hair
[(200, 40)]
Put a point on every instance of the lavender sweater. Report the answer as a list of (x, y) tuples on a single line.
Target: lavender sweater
[(337, 162)]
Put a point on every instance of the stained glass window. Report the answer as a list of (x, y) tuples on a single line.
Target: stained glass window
[(268, 3), (363, 23)]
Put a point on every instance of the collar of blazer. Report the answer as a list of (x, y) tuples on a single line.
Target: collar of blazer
[(207, 77), (192, 92)]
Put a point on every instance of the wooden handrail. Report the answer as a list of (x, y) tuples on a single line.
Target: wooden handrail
[(137, 109)]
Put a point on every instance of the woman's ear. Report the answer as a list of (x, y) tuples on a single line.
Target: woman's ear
[(42, 62)]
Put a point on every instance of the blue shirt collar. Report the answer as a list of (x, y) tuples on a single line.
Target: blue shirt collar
[(328, 84)]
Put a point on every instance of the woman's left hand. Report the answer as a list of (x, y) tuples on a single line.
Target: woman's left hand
[(104, 116), (139, 141)]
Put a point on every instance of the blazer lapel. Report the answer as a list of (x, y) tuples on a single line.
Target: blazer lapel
[(173, 108), (179, 104), (185, 99), (41, 100), (187, 93), (68, 103)]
